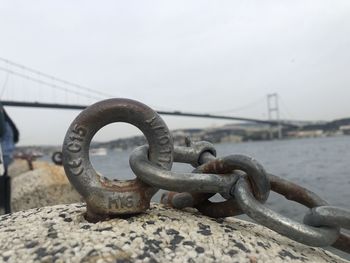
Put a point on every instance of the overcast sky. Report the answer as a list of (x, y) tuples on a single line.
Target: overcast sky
[(198, 56)]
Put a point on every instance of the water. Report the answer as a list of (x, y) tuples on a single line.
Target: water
[(319, 164)]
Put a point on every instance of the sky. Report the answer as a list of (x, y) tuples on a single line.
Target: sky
[(197, 56)]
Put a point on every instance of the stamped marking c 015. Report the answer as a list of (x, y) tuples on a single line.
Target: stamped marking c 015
[(76, 137)]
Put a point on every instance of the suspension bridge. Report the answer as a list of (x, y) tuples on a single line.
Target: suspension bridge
[(32, 85)]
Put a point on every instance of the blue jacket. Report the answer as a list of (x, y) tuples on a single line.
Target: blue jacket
[(9, 134)]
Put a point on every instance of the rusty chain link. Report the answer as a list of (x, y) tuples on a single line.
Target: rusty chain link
[(321, 226), (240, 179)]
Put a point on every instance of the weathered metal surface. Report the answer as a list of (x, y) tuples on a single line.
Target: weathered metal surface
[(331, 216), (301, 195), (180, 182), (312, 236), (254, 170), (229, 165), (57, 158), (105, 197), (328, 215), (295, 192), (195, 153)]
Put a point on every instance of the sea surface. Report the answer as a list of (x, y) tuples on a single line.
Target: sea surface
[(319, 164)]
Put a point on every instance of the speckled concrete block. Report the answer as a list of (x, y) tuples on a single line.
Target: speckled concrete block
[(46, 185), (61, 234)]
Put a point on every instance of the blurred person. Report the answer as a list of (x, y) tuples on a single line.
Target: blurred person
[(9, 136)]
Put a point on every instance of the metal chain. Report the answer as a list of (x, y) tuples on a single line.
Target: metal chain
[(240, 179), (321, 225)]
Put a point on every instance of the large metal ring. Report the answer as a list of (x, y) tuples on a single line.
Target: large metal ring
[(106, 197), (312, 236)]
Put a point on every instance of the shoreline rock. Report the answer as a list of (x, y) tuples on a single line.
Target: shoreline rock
[(46, 185)]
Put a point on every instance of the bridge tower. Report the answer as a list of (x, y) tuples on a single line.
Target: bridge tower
[(274, 113)]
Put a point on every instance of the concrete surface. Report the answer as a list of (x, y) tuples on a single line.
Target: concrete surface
[(61, 234)]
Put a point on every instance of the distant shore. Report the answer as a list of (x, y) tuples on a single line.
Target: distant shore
[(222, 134)]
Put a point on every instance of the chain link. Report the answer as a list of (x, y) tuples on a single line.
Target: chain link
[(312, 236), (331, 216), (240, 179), (179, 182), (321, 224)]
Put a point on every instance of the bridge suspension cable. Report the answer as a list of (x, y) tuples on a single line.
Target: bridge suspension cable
[(53, 78), (48, 84)]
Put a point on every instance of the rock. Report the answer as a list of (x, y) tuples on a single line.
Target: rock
[(46, 185), (60, 233), (18, 167)]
